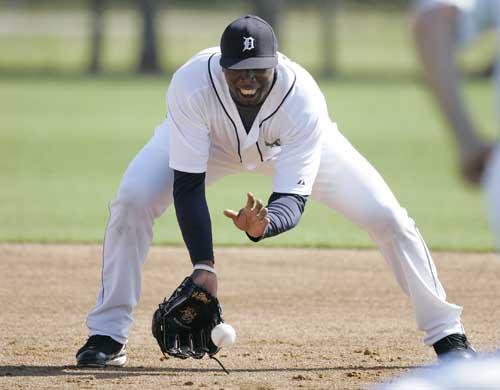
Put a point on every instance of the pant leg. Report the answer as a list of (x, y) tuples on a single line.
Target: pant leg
[(348, 183), (144, 194), (491, 178), (491, 186), (496, 73)]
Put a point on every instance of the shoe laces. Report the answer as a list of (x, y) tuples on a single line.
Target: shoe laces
[(103, 343)]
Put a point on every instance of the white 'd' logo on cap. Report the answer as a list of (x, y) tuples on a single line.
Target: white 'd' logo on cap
[(248, 43)]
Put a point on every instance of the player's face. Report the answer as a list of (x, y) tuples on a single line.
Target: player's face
[(249, 87)]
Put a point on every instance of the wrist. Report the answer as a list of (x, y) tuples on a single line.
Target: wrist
[(471, 143), (209, 267), (254, 239), (205, 279)]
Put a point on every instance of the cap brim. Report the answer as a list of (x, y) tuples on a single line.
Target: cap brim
[(249, 63)]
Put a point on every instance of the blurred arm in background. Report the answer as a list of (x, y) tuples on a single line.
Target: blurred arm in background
[(436, 31)]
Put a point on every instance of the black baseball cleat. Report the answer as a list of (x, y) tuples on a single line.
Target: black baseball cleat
[(454, 346), (101, 351)]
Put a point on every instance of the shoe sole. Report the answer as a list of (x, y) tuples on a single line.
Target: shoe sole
[(119, 361)]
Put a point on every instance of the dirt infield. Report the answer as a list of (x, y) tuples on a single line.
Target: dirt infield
[(312, 319)]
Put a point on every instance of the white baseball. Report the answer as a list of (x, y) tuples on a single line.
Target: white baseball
[(223, 335)]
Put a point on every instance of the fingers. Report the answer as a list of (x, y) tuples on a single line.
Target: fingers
[(254, 205), (258, 206), (265, 222), (262, 214), (254, 208), (250, 201)]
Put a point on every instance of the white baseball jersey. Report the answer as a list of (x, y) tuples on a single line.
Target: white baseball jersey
[(476, 16), (203, 120)]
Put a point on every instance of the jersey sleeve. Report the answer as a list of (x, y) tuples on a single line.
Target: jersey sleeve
[(284, 212), (298, 162), (189, 134), (193, 215)]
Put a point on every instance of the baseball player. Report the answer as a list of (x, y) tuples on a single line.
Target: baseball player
[(243, 106), (441, 27)]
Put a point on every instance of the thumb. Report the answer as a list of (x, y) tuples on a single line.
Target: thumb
[(231, 214)]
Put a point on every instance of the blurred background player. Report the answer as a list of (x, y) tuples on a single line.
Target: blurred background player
[(481, 373), (441, 28)]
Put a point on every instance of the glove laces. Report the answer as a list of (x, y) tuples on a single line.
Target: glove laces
[(220, 364)]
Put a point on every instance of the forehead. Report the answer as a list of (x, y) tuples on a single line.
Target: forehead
[(242, 71)]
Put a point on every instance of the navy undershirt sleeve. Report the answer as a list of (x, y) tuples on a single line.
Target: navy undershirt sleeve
[(284, 212), (193, 215)]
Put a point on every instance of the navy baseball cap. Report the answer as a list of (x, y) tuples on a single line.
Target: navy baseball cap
[(249, 43)]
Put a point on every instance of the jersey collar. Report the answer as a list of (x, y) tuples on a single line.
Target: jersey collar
[(285, 80)]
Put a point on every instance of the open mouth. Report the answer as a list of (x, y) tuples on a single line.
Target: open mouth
[(248, 92)]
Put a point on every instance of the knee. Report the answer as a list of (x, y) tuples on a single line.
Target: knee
[(132, 197), (135, 202), (389, 222)]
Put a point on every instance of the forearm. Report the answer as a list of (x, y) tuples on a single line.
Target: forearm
[(436, 45), (284, 213), (193, 215)]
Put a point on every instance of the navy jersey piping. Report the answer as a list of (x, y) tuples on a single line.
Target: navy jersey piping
[(275, 111), (223, 107), (260, 153), (277, 108), (428, 259)]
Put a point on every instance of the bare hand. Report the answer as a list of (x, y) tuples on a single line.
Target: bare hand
[(473, 162), (252, 219)]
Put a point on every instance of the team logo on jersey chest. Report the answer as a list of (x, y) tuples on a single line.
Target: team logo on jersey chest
[(248, 43), (277, 142)]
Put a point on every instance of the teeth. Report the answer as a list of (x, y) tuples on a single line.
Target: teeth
[(248, 92)]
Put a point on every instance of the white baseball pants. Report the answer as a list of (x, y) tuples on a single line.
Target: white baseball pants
[(346, 182), (491, 187)]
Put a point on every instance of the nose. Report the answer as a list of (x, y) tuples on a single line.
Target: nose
[(249, 74)]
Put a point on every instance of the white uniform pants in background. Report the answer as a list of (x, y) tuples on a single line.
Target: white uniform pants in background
[(491, 179), (346, 182), (491, 186)]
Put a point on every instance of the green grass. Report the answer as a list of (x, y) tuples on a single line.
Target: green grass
[(65, 142)]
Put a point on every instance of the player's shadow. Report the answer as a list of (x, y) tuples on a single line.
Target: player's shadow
[(116, 372)]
